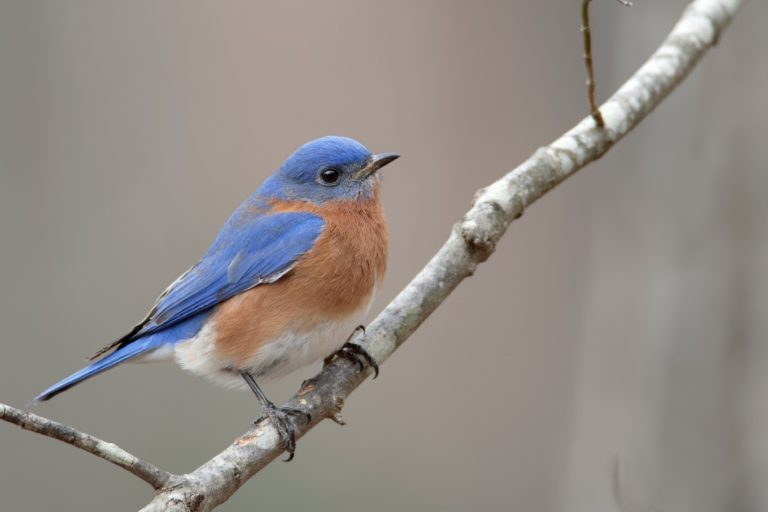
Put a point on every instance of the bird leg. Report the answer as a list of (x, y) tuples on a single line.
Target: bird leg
[(356, 353), (281, 417)]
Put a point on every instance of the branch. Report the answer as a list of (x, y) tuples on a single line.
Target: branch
[(471, 242), (154, 476)]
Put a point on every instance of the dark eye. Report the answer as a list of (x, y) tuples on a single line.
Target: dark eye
[(330, 176)]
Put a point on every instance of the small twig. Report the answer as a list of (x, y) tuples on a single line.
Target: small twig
[(110, 452), (595, 111), (585, 29)]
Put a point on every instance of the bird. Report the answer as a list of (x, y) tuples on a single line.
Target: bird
[(291, 273)]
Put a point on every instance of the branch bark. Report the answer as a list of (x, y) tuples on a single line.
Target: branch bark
[(472, 240), (154, 476)]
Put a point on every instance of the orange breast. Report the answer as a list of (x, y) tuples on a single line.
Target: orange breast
[(333, 280)]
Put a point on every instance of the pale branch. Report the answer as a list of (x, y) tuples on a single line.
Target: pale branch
[(154, 476), (471, 242), (586, 31)]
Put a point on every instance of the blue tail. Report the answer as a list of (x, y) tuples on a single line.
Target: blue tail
[(115, 358), (180, 331)]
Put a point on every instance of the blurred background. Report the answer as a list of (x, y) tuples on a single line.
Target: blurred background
[(610, 356)]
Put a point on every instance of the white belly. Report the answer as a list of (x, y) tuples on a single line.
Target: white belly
[(276, 358)]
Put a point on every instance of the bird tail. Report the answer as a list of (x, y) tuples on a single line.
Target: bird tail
[(121, 355)]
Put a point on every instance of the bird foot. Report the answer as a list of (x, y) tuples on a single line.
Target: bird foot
[(355, 353), (359, 356), (282, 419)]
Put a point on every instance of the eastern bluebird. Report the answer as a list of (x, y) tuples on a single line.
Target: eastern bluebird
[(292, 272)]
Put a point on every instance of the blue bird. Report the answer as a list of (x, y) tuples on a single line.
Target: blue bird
[(291, 274)]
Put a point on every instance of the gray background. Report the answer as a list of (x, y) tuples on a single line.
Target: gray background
[(621, 324)]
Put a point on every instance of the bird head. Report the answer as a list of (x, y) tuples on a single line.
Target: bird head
[(328, 169)]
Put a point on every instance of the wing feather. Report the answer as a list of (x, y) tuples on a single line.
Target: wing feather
[(244, 255)]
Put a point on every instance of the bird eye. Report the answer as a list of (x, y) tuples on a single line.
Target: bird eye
[(329, 176)]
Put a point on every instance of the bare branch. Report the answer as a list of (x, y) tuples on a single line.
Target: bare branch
[(154, 476), (587, 34), (471, 242)]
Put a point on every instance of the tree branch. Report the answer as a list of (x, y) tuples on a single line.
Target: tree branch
[(471, 242), (154, 476)]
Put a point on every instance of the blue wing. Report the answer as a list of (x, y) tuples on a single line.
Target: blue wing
[(249, 251), (261, 251)]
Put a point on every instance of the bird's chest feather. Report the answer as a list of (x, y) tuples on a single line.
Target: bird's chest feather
[(274, 329)]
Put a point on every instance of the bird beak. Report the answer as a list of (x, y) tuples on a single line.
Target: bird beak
[(375, 163)]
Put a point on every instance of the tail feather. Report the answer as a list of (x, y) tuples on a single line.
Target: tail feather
[(121, 355), (181, 331)]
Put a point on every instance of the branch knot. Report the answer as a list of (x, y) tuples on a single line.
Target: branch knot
[(483, 226)]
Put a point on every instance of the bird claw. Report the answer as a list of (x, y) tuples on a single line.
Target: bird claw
[(355, 353), (281, 418), (359, 356)]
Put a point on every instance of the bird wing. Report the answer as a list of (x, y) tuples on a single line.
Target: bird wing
[(245, 254)]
